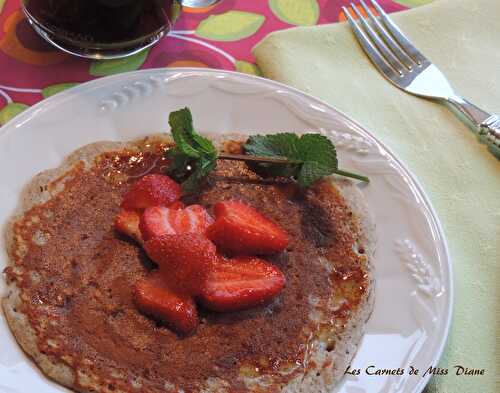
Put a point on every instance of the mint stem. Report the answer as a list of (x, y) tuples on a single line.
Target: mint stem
[(282, 161), (351, 174), (249, 158)]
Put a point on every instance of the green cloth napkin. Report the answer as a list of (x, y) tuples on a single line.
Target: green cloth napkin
[(461, 177)]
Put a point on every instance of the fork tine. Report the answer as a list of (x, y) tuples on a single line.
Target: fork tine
[(400, 54), (369, 48), (407, 46), (388, 55)]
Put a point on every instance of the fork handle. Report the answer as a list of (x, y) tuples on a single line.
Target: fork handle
[(487, 124), (490, 129)]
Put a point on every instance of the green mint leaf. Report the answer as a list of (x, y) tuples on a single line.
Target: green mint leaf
[(192, 150), (311, 156), (318, 148), (202, 169), (181, 127), (319, 156), (310, 172), (204, 145), (284, 145), (184, 146), (271, 170), (186, 138), (276, 145), (178, 163), (182, 121)]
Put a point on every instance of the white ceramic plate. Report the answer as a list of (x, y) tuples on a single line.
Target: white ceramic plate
[(413, 303)]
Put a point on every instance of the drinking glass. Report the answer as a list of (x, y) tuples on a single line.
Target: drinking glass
[(104, 29)]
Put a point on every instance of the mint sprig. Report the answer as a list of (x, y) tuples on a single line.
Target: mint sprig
[(307, 158), (194, 156), (311, 157)]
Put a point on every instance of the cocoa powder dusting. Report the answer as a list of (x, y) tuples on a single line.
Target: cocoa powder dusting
[(78, 275)]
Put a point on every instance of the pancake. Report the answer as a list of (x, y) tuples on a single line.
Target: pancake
[(70, 277)]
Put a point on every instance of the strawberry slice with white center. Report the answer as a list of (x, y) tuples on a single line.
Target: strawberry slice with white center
[(160, 220), (241, 283)]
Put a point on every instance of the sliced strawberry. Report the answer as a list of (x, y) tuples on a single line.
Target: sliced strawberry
[(177, 205), (127, 222), (159, 220), (241, 283), (151, 190), (184, 260), (153, 297), (240, 229)]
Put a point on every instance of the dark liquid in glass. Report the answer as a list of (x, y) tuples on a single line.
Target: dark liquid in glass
[(101, 28)]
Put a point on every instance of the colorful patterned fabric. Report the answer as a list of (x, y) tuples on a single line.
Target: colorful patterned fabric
[(220, 36)]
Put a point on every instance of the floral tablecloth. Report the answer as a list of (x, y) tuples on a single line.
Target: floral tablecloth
[(220, 36)]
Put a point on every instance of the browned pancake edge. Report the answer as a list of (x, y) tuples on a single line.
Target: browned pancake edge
[(329, 350)]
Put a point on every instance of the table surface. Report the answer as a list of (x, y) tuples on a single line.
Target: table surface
[(221, 36)]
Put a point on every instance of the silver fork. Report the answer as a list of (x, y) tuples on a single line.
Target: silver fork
[(402, 64)]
